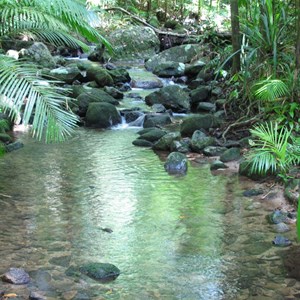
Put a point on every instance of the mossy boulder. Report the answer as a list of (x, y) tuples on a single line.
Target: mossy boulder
[(119, 75), (90, 96), (152, 135), (231, 154), (100, 271), (171, 97), (66, 74), (291, 190), (197, 122), (176, 163), (194, 68), (200, 94), (5, 138), (135, 42), (183, 145), (217, 164), (39, 54), (156, 120), (93, 71), (102, 115), (214, 150), (165, 142), (169, 69), (200, 140), (142, 143)]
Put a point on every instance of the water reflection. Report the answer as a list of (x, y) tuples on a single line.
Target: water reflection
[(173, 237)]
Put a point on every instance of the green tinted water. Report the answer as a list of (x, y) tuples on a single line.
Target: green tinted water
[(190, 237)]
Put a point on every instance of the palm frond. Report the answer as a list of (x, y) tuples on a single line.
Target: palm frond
[(270, 89), (21, 86), (59, 16), (273, 149)]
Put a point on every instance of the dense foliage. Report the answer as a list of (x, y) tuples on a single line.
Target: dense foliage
[(55, 22)]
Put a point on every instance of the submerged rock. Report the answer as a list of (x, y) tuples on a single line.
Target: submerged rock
[(217, 164), (281, 227), (176, 163), (100, 271), (252, 192), (14, 146), (281, 241), (16, 276), (278, 216), (36, 296)]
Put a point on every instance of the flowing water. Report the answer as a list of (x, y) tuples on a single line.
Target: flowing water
[(174, 237), (189, 237)]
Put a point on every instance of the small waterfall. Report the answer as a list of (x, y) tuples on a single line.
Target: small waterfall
[(138, 122)]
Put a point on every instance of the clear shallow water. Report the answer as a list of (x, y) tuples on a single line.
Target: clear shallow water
[(191, 237)]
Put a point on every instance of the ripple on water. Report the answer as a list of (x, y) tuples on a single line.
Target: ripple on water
[(188, 237)]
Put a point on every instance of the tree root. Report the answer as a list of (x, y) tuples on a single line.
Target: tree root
[(238, 123)]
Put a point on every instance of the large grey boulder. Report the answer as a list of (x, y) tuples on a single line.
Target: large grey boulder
[(39, 54), (181, 54), (171, 97), (102, 115), (197, 122), (176, 163), (136, 42)]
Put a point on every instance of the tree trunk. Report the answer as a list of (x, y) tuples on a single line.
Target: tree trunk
[(298, 36), (236, 40), (297, 52)]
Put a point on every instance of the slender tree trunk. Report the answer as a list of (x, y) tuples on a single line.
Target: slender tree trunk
[(298, 35), (297, 52), (200, 4), (149, 7), (236, 40)]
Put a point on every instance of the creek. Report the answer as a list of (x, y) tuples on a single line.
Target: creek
[(174, 237)]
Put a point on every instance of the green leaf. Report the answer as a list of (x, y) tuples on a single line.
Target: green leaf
[(45, 101)]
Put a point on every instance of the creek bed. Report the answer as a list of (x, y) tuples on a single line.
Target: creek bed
[(174, 237)]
